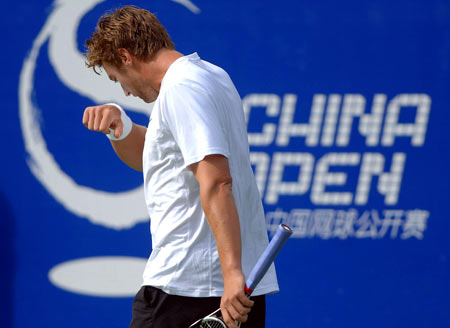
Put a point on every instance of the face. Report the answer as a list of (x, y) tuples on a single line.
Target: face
[(132, 81)]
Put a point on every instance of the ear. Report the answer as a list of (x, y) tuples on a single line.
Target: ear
[(125, 56)]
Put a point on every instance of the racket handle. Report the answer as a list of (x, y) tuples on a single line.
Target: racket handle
[(259, 270)]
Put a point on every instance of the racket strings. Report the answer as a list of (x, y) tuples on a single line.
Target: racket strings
[(214, 324)]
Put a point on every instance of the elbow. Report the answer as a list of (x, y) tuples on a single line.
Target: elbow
[(217, 186), (137, 168), (213, 175), (223, 183)]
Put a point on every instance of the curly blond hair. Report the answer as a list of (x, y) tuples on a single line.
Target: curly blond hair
[(129, 27)]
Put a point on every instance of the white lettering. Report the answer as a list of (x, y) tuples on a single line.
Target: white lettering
[(331, 119), (389, 183), (344, 224), (272, 104), (277, 187), (325, 178), (417, 130), (311, 130), (369, 124)]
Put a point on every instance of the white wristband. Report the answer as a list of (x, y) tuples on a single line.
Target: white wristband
[(127, 124)]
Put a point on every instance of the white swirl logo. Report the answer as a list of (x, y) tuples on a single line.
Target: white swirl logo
[(119, 210)]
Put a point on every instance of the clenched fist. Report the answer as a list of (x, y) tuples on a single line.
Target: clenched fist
[(102, 118)]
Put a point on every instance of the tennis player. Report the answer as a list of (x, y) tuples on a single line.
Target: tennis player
[(207, 221)]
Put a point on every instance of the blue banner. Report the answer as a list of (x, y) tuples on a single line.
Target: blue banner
[(347, 106)]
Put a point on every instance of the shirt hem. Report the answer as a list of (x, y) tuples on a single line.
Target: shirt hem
[(269, 289), (209, 151)]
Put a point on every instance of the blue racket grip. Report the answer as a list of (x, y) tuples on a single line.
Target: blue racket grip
[(259, 270)]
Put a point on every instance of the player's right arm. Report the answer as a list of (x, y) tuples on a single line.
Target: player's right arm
[(104, 117)]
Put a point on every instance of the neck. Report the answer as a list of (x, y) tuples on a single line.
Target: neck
[(157, 67)]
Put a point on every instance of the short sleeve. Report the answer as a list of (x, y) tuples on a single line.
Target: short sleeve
[(196, 122)]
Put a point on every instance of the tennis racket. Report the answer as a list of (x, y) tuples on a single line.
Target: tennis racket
[(215, 320)]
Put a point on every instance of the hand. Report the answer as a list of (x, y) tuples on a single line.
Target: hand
[(235, 305), (102, 118)]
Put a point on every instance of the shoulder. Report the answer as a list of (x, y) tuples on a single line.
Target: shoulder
[(185, 92), (193, 73)]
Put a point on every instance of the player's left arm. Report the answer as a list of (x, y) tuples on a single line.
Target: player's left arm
[(213, 175)]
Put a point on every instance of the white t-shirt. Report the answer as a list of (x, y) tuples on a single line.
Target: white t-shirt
[(198, 112)]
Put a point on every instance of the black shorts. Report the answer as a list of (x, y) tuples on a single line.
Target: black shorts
[(152, 308)]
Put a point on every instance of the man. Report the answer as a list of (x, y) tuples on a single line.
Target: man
[(207, 220)]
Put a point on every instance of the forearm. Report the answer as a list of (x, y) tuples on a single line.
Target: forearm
[(213, 175), (130, 149), (221, 213)]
